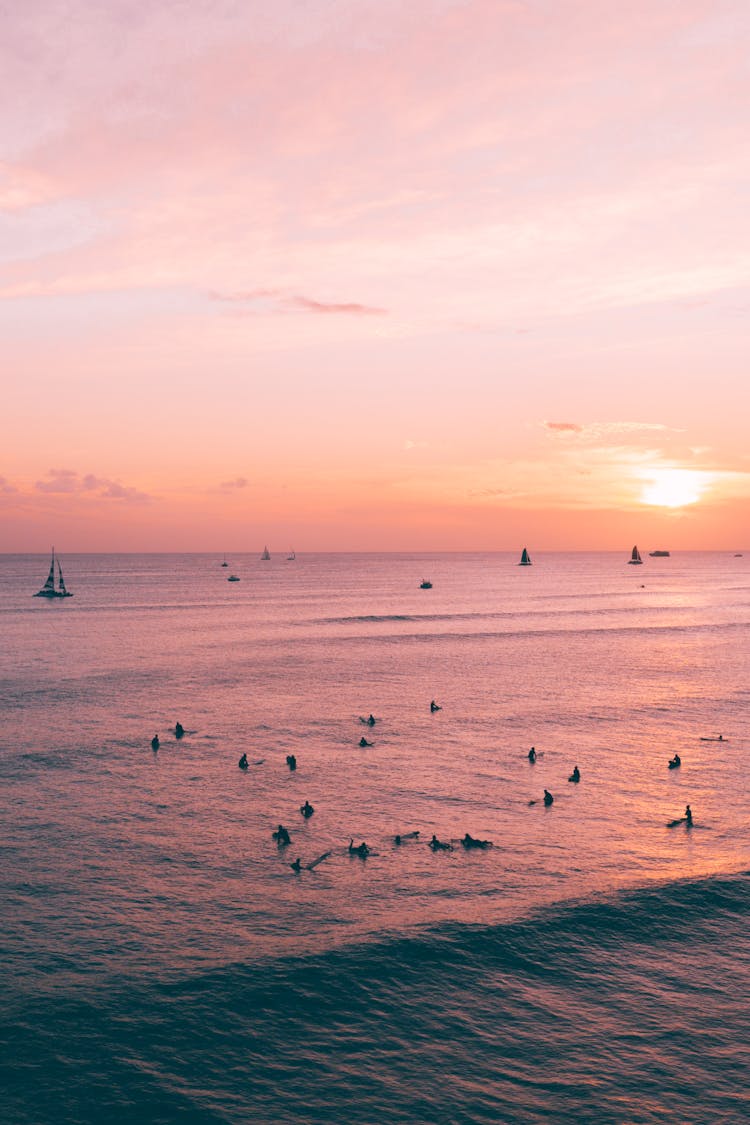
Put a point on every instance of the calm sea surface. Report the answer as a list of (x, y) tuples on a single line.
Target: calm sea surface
[(163, 963)]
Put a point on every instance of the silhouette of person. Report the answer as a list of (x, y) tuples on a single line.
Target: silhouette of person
[(689, 816), (439, 845), (179, 730), (532, 755), (296, 865), (363, 742), (281, 836), (155, 742), (291, 761), (434, 706), (548, 798), (576, 774), (675, 762), (307, 810), (243, 762)]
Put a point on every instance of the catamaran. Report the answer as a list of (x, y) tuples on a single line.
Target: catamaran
[(49, 590), (635, 558), (525, 559)]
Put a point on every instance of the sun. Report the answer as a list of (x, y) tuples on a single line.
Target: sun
[(674, 488)]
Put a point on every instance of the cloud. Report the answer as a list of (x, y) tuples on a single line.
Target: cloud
[(597, 431), (563, 427), (229, 485), (276, 301), (6, 486), (73, 483)]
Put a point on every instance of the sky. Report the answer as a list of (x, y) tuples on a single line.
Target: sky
[(366, 275)]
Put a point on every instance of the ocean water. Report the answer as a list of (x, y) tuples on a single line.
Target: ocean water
[(162, 961)]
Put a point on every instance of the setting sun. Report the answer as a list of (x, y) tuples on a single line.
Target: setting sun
[(674, 488)]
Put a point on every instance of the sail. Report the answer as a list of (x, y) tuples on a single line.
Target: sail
[(266, 554), (525, 560), (635, 556), (50, 583), (63, 591)]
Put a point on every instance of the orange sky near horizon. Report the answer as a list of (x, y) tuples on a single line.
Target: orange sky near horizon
[(358, 275)]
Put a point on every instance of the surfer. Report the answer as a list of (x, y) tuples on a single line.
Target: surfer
[(532, 755), (243, 763), (576, 774), (155, 743), (361, 850), (307, 810), (469, 842), (291, 761), (439, 845), (548, 798), (434, 707), (369, 721), (363, 742), (179, 730), (688, 816), (297, 865), (405, 836), (674, 762), (281, 836)]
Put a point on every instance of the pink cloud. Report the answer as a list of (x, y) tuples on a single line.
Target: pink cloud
[(69, 481)]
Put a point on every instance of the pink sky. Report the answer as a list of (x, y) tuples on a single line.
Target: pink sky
[(374, 275)]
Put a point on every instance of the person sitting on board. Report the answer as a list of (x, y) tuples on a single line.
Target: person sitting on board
[(361, 850), (243, 762), (548, 798), (281, 836), (675, 762), (576, 774), (363, 742), (688, 816), (296, 865), (469, 842), (155, 742), (434, 706), (532, 755), (179, 730), (406, 836), (307, 810), (439, 845)]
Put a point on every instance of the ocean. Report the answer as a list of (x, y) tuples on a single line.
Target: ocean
[(162, 961)]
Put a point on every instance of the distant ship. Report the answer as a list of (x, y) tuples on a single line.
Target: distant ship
[(291, 556), (425, 584), (232, 578), (658, 554), (48, 589), (525, 559), (266, 554), (635, 559)]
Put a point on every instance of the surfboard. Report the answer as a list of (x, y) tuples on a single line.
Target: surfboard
[(315, 862)]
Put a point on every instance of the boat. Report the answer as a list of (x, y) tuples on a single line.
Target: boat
[(232, 578), (291, 556), (525, 559), (49, 590), (225, 563), (658, 554), (635, 559), (425, 584), (266, 554)]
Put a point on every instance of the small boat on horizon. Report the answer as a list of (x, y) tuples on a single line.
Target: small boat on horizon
[(658, 554), (232, 578), (425, 584), (48, 590), (266, 555), (525, 558), (291, 556), (225, 563), (635, 558)]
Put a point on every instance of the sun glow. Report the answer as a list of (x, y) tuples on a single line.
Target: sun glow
[(674, 488)]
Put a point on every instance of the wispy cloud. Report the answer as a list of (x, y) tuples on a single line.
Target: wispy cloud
[(599, 430), (277, 301), (233, 485), (71, 482), (6, 486)]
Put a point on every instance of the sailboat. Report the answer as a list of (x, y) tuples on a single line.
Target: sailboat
[(525, 559), (48, 590), (635, 558), (225, 563), (291, 556), (266, 555)]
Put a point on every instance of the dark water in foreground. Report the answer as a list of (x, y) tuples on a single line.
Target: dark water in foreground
[(162, 963)]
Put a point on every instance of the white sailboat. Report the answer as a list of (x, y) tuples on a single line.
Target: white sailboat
[(266, 555), (635, 558), (49, 590), (291, 556)]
